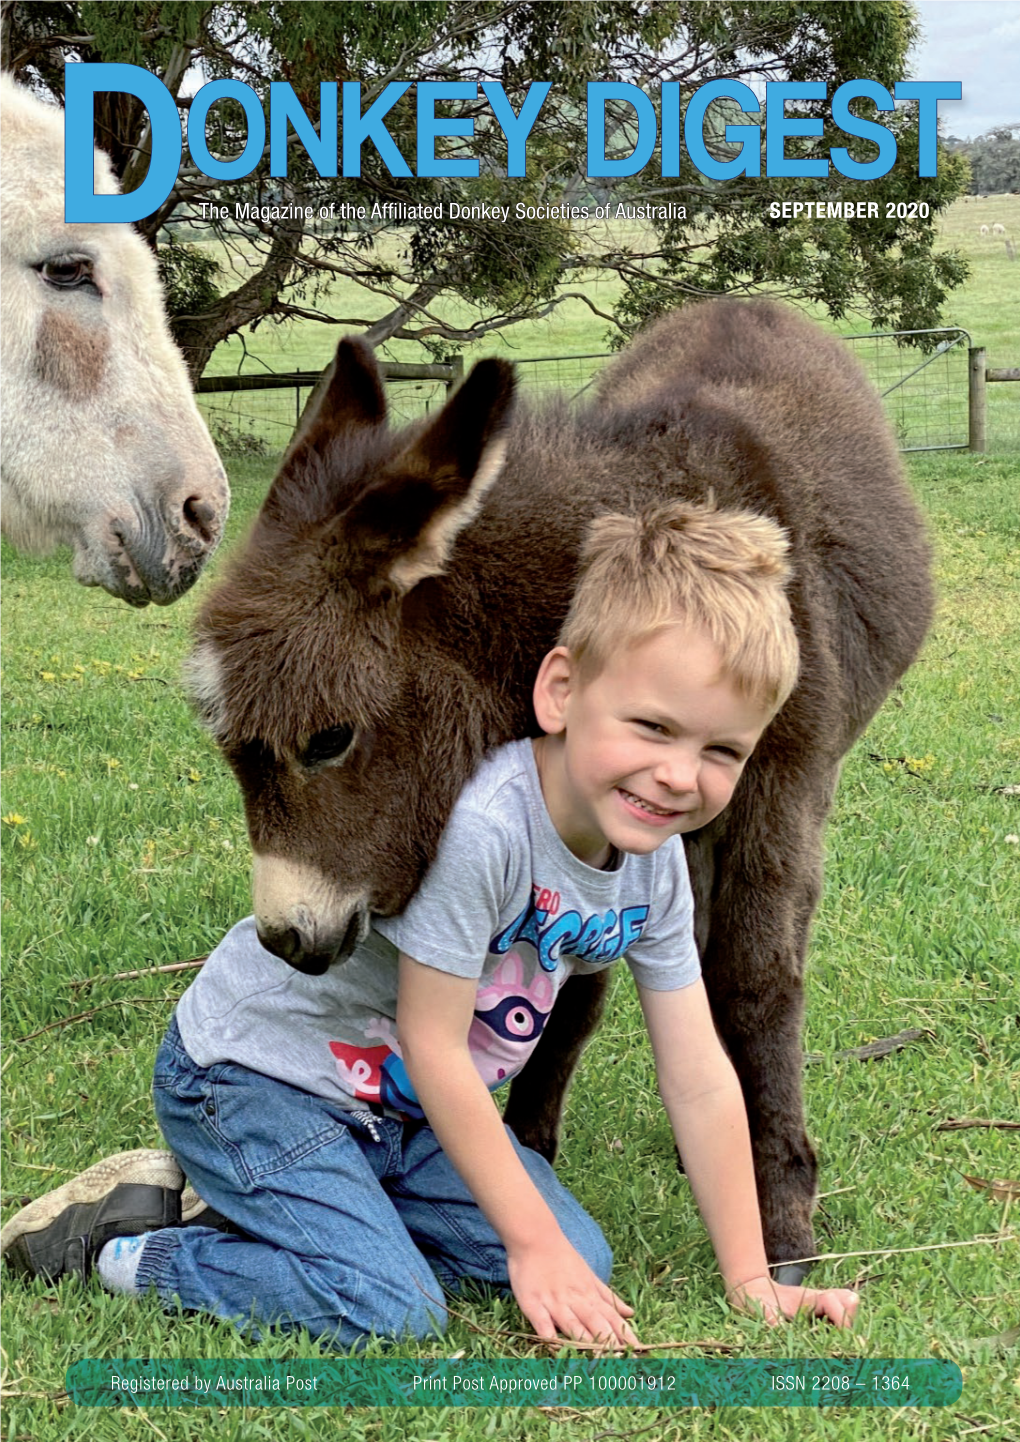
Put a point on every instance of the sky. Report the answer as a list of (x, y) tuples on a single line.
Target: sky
[(978, 43)]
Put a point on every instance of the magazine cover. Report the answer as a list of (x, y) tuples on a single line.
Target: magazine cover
[(491, 492)]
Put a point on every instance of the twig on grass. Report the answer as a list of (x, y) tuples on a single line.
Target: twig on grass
[(638, 1432), (87, 1015), (885, 1046), (982, 1427), (901, 1251), (190, 965), (959, 1124)]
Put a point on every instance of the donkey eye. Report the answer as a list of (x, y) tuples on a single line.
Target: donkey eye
[(328, 745), (69, 272)]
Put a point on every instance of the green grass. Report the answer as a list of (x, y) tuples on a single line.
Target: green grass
[(124, 847)]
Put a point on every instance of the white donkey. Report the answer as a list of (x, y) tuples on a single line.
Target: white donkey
[(103, 445)]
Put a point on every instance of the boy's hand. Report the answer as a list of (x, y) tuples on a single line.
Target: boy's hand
[(562, 1297), (770, 1299)]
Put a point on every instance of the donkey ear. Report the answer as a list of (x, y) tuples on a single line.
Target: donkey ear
[(349, 393), (409, 520)]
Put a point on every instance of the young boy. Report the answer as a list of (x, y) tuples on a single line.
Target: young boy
[(341, 1130)]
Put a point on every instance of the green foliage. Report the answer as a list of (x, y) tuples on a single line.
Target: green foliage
[(188, 275), (994, 160), (724, 239)]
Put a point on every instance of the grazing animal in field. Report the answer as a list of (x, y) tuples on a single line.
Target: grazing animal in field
[(383, 626), (984, 231), (998, 229), (104, 447)]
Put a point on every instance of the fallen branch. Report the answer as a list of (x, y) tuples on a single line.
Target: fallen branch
[(884, 1047), (900, 1251), (998, 1188), (961, 1123), (87, 1015), (192, 964)]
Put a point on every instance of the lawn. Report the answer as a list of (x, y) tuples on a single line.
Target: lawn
[(124, 849)]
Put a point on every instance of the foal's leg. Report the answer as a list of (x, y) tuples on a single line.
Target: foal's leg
[(757, 886)]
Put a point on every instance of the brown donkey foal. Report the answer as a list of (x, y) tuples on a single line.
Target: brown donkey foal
[(383, 626)]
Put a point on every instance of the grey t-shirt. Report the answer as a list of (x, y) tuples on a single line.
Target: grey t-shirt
[(505, 902)]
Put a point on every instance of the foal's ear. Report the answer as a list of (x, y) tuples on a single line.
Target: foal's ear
[(405, 525), (349, 393)]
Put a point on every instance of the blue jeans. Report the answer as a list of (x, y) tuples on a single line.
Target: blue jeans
[(348, 1233)]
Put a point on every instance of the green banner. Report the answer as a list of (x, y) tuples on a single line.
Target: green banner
[(576, 1382)]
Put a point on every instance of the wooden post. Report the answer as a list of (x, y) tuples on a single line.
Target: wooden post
[(456, 373), (976, 396)]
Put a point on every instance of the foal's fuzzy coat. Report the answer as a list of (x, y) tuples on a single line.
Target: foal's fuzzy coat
[(384, 625)]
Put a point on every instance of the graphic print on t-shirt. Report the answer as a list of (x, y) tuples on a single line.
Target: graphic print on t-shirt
[(602, 937), (509, 1016)]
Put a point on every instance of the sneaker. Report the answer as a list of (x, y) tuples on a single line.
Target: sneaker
[(62, 1233), (196, 1213)]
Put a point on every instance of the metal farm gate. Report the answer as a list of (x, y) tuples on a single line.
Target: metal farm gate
[(924, 386)]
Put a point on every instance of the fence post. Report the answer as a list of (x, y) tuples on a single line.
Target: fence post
[(456, 373), (976, 398)]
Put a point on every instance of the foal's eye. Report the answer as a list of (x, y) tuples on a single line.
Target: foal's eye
[(328, 745), (69, 272)]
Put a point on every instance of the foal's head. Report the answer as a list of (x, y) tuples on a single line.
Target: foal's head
[(323, 664)]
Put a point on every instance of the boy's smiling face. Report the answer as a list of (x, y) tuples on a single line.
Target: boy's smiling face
[(650, 747)]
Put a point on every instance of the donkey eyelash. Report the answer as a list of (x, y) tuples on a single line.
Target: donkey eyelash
[(331, 745), (68, 272)]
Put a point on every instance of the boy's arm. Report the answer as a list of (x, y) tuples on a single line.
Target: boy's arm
[(705, 1106), (555, 1288)]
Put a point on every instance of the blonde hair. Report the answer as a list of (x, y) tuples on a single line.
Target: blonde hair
[(721, 571)]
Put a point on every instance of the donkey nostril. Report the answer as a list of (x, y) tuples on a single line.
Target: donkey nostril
[(291, 946), (200, 517)]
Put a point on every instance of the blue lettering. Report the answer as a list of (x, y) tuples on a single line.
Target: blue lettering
[(599, 939), (358, 128), (592, 932), (430, 126), (523, 928), (517, 127), (610, 948), (632, 924), (80, 85), (748, 160), (778, 125), (283, 106), (601, 91), (564, 930), (250, 156), (671, 127), (927, 93), (866, 129)]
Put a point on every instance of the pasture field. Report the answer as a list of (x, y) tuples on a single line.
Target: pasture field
[(987, 306), (124, 849)]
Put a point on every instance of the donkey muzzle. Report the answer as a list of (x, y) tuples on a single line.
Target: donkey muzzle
[(304, 947)]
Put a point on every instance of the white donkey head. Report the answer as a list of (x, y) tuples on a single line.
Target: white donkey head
[(104, 448)]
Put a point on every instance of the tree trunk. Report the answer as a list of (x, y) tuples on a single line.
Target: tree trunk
[(199, 335)]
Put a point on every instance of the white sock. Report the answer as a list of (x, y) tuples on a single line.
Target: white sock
[(117, 1264)]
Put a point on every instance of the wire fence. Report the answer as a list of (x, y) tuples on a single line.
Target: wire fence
[(924, 388), (923, 385), (258, 420)]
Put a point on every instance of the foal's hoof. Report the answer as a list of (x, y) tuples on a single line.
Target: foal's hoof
[(791, 1274)]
